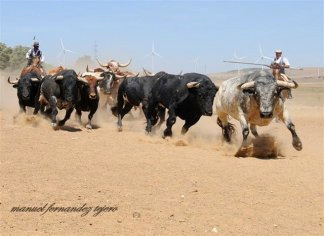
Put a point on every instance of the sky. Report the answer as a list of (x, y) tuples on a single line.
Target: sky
[(189, 35)]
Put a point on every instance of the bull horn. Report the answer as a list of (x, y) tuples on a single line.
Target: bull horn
[(34, 79), (99, 78), (147, 73), (120, 76), (87, 69), (193, 85), (102, 65), (132, 75), (59, 77), (180, 72), (286, 84), (125, 65), (247, 85), (82, 79), (15, 82)]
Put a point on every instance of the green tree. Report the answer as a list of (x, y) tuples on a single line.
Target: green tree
[(5, 53), (18, 57)]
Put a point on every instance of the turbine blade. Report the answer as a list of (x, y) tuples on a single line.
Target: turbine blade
[(62, 44), (58, 55), (67, 50), (156, 54), (267, 57), (260, 50)]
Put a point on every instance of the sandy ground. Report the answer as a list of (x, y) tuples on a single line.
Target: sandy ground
[(186, 185)]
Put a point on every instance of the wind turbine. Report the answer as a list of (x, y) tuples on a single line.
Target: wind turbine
[(64, 50), (262, 57), (237, 58), (152, 54)]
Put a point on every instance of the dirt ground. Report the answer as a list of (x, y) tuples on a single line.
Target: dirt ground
[(186, 185)]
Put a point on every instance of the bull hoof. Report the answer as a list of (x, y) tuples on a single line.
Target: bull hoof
[(148, 130), (61, 123), (244, 151), (167, 133), (120, 128), (55, 126), (88, 126), (298, 145)]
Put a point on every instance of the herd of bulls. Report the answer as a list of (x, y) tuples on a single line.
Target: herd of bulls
[(254, 99)]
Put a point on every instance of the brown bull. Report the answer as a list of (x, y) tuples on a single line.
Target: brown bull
[(89, 96), (56, 70)]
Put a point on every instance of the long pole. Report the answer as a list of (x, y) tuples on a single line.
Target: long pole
[(259, 64)]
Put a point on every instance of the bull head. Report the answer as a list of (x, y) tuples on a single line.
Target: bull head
[(118, 64)]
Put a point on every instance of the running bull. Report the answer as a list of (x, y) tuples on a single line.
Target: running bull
[(88, 88), (27, 89), (188, 96), (60, 91), (256, 99), (136, 91)]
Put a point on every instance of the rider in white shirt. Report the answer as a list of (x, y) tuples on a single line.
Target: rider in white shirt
[(282, 61), (34, 52)]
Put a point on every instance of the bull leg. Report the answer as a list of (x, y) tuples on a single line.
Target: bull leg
[(170, 122), (284, 116), (161, 114), (245, 128), (121, 115), (37, 107), (22, 107), (227, 128), (67, 116), (78, 115), (242, 152), (52, 101), (150, 114), (188, 124), (145, 108), (254, 130), (92, 112)]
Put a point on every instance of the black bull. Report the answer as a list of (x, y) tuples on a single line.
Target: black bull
[(60, 91), (27, 90), (189, 96), (134, 91)]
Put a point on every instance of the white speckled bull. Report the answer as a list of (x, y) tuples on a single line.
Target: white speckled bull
[(256, 99)]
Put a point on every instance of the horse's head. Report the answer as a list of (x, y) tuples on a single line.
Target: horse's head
[(276, 69)]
